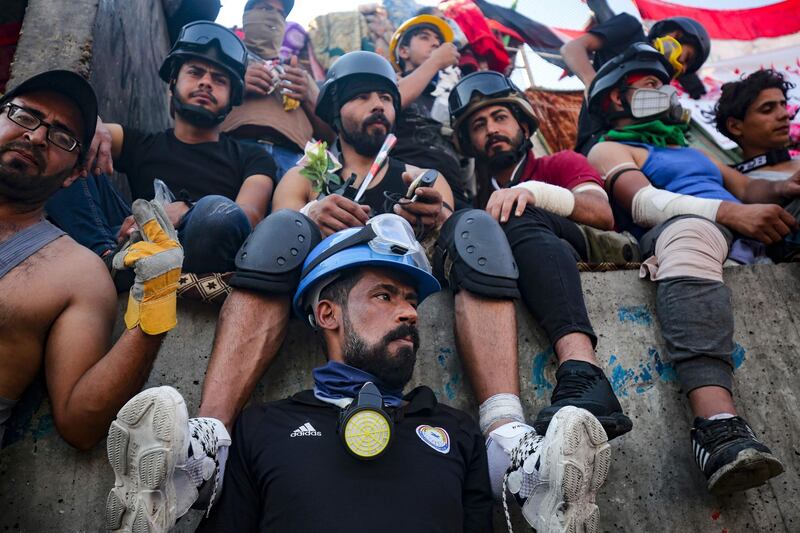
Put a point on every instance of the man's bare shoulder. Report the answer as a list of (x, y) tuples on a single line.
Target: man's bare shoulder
[(79, 269)]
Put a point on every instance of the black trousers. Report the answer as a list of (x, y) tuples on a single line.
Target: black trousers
[(546, 249)]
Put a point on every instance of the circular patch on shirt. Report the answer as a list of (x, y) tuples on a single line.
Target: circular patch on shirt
[(435, 437)]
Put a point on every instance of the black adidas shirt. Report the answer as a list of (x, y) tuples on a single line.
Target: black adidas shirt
[(288, 471), (191, 171)]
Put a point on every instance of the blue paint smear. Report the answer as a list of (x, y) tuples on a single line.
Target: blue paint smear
[(638, 314), (641, 379), (453, 385), (540, 384), (739, 354)]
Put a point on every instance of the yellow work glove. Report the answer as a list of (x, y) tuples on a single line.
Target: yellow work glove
[(156, 257)]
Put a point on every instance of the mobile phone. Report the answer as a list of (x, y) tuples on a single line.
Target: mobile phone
[(426, 179)]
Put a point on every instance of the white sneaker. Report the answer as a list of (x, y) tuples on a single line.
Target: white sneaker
[(160, 459), (556, 477)]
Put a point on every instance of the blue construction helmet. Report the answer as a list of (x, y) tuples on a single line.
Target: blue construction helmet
[(387, 241)]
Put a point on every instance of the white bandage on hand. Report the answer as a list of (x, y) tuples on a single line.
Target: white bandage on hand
[(652, 206), (306, 208), (552, 198)]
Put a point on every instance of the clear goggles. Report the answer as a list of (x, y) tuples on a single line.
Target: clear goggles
[(386, 234)]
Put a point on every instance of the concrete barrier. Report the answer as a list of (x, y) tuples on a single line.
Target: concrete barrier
[(653, 485)]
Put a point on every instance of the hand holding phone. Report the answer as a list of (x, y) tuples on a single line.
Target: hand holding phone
[(426, 179)]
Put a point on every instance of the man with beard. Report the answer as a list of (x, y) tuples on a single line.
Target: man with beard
[(360, 100), (355, 449), (541, 203), (58, 305), (222, 187)]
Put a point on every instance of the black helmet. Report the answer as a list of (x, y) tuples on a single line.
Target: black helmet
[(482, 89), (352, 74), (213, 43), (693, 32), (638, 57)]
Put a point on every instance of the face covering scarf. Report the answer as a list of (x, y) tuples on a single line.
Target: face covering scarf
[(654, 132), (339, 384), (263, 31)]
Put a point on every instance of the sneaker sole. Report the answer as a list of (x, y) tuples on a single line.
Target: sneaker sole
[(750, 469), (576, 463), (145, 442), (614, 425)]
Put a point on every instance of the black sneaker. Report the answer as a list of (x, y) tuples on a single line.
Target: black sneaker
[(584, 385), (730, 456)]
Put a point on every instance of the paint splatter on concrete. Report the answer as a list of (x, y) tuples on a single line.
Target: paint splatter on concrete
[(637, 314), (540, 383), (447, 360), (649, 371)]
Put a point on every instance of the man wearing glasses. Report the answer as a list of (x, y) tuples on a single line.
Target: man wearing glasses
[(222, 188), (58, 306)]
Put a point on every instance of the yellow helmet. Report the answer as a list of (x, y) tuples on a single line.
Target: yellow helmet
[(437, 24)]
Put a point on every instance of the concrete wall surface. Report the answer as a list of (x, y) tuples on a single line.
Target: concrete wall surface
[(654, 484)]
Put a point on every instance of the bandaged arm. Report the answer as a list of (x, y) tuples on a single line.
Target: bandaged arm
[(557, 200), (652, 206)]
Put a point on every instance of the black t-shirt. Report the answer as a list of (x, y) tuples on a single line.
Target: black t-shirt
[(420, 142), (617, 33), (280, 479), (392, 182), (191, 171)]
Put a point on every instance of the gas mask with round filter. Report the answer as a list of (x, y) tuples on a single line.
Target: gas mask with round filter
[(658, 104), (365, 429)]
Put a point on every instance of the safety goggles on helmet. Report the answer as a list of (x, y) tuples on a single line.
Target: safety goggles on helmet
[(489, 84), (198, 35), (672, 49), (386, 234)]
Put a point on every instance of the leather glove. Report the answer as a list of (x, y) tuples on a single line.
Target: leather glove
[(156, 257)]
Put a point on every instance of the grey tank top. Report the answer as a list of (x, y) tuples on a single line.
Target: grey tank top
[(25, 243)]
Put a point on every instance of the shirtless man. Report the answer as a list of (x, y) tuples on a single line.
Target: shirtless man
[(58, 304)]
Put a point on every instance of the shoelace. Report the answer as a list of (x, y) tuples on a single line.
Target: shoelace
[(527, 445), (574, 384), (203, 433), (721, 431)]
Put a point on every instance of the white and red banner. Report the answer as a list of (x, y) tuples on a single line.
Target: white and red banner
[(741, 20), (737, 27)]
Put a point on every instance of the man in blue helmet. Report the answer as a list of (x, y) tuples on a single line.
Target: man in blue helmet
[(692, 215), (355, 447), (222, 187)]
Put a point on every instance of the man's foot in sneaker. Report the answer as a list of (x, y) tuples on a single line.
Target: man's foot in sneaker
[(730, 456), (160, 458), (555, 478), (585, 385)]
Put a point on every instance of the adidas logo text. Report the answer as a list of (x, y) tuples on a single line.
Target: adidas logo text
[(306, 430)]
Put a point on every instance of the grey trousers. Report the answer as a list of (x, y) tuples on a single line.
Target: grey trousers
[(696, 318)]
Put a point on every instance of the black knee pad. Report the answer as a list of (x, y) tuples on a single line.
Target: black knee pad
[(271, 258), (473, 254)]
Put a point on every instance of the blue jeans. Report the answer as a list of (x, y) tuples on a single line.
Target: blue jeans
[(285, 158), (91, 211)]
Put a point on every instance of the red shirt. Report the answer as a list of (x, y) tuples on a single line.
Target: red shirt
[(566, 169)]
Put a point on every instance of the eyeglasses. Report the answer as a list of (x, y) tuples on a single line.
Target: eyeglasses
[(56, 135)]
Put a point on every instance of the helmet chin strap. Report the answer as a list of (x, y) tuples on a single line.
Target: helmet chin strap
[(197, 115)]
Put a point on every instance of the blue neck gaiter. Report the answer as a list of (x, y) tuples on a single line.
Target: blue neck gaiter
[(336, 381)]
